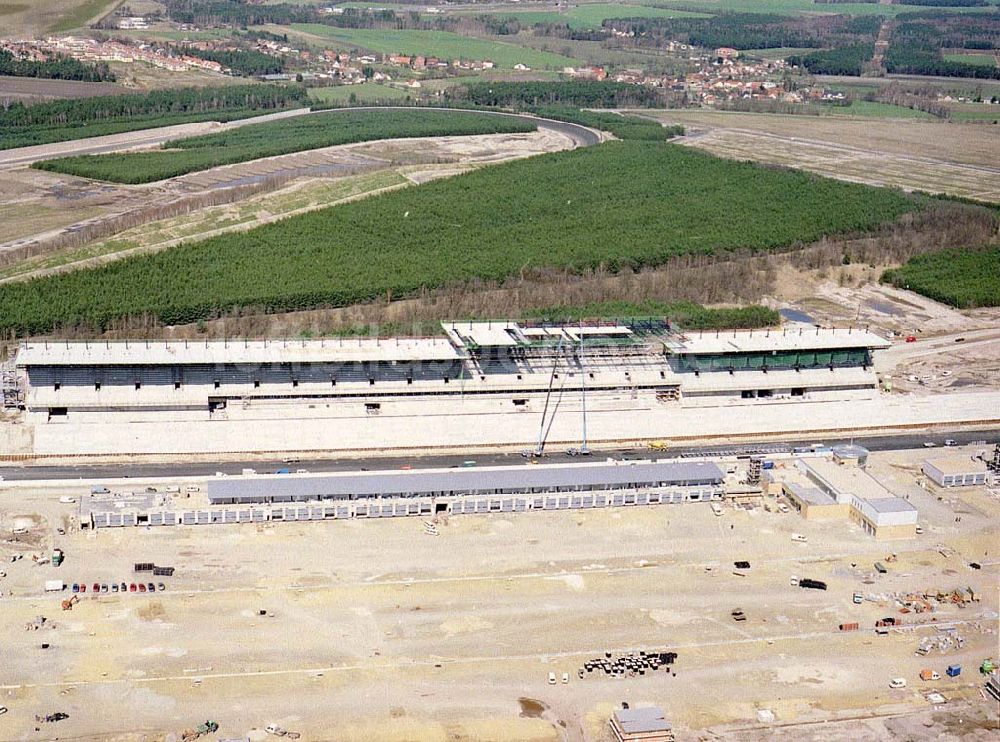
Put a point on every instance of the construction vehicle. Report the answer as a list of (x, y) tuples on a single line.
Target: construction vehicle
[(659, 445), (57, 557), (207, 727), (67, 605), (988, 666), (738, 615), (929, 675)]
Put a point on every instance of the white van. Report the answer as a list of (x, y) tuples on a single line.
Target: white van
[(172, 489), (192, 488), (799, 537), (716, 508), (897, 683)]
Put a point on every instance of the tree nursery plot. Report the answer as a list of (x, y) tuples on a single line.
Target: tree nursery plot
[(962, 278), (613, 205), (279, 138)]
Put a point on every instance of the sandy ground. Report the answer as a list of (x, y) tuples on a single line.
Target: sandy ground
[(376, 631), (927, 156), (953, 349)]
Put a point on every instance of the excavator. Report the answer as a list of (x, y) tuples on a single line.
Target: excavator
[(67, 605)]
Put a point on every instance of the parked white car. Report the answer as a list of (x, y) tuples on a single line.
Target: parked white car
[(897, 683)]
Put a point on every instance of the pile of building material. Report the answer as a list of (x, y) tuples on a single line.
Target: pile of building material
[(946, 640), (630, 664)]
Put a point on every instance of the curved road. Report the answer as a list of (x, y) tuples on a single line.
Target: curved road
[(582, 136)]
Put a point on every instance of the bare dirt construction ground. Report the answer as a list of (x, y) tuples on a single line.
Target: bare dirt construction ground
[(313, 177), (935, 157), (953, 349), (374, 630), (28, 90)]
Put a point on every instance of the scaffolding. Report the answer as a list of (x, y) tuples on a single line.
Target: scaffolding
[(10, 388)]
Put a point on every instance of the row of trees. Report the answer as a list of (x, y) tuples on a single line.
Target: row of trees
[(22, 125), (617, 206), (246, 62), (586, 94), (57, 68), (964, 278), (753, 30), (849, 60), (240, 14)]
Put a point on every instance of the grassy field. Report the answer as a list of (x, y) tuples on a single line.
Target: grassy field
[(620, 204), (369, 92), (801, 7), (878, 110), (444, 44), (586, 16), (687, 315), (81, 13), (281, 137), (984, 60), (777, 53), (961, 278)]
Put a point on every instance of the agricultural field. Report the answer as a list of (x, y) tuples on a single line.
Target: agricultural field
[(875, 109), (586, 16), (807, 7), (961, 278), (38, 17), (281, 137), (28, 90), (369, 92), (854, 164), (619, 204), (444, 44), (687, 315), (984, 60)]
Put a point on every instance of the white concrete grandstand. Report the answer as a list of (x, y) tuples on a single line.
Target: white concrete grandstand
[(483, 384)]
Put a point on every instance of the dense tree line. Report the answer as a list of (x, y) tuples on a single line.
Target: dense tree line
[(752, 30), (948, 3), (960, 277), (240, 14), (849, 60), (584, 94), (57, 68), (617, 206), (917, 42), (248, 63), (22, 125), (914, 61)]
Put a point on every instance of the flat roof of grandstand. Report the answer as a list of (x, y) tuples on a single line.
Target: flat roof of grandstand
[(505, 478), (506, 334), (743, 341), (158, 353)]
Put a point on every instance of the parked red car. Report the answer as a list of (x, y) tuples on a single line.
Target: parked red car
[(131, 588), (911, 338), (97, 587), (142, 588)]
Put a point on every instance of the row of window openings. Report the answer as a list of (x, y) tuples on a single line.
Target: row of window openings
[(295, 382)]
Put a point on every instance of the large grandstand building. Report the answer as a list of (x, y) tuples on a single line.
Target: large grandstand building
[(482, 384), (505, 359)]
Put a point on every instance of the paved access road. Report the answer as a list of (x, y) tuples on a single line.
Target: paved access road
[(263, 466)]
